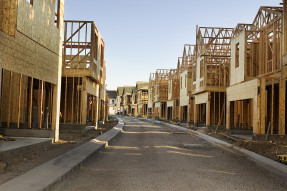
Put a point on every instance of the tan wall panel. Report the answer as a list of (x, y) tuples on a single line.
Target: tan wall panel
[(247, 90), (24, 56), (8, 15), (201, 98), (237, 74), (92, 88), (37, 22)]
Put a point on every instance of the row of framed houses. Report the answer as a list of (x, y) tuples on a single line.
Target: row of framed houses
[(53, 71), (231, 78)]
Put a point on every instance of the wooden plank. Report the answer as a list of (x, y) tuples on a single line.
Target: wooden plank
[(19, 102), (30, 105), (65, 107), (9, 101), (208, 110), (40, 104), (73, 92), (272, 108)]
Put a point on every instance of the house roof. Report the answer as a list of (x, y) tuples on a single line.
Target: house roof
[(128, 90), (112, 94), (120, 91), (142, 85)]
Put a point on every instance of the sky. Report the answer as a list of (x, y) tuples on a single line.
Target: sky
[(144, 35)]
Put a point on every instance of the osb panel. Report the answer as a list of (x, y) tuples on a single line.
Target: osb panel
[(201, 98), (246, 90), (183, 100), (92, 88), (24, 56), (198, 79), (183, 89), (37, 22), (8, 15), (170, 103), (237, 74)]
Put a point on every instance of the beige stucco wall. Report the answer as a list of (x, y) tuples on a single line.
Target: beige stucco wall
[(237, 74), (201, 98), (246, 90), (198, 79), (183, 95), (170, 103)]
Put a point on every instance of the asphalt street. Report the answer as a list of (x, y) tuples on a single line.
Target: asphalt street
[(150, 156)]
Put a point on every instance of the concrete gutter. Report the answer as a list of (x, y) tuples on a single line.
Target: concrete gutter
[(267, 163), (48, 174)]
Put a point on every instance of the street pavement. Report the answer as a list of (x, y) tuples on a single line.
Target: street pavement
[(150, 156)]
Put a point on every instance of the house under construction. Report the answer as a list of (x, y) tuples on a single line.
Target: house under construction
[(211, 75), (83, 75), (256, 98), (186, 98), (161, 93), (173, 95), (31, 59)]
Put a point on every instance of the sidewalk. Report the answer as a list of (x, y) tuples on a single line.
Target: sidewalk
[(46, 175)]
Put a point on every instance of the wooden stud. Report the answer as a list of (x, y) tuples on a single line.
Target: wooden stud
[(65, 108), (19, 102), (30, 105), (40, 104), (9, 101)]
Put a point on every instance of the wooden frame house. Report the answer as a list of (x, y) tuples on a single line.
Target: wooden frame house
[(134, 104), (212, 75), (31, 60), (142, 98), (119, 106), (127, 99), (173, 95), (83, 75), (256, 97), (161, 93), (186, 98), (151, 93)]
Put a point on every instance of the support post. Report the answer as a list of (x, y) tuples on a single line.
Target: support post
[(84, 102), (208, 110)]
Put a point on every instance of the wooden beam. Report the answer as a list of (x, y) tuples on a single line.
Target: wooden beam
[(9, 101), (30, 105), (40, 104), (19, 102), (65, 108), (73, 92)]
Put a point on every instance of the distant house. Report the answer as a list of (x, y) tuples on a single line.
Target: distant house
[(112, 94)]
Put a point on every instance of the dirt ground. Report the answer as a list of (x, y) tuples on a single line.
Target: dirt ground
[(67, 142), (266, 148)]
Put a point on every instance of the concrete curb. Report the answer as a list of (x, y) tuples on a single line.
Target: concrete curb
[(45, 176), (268, 164)]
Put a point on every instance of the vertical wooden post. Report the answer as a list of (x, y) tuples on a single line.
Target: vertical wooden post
[(84, 103), (272, 108), (73, 92), (228, 115), (1, 77), (245, 114), (188, 112), (19, 102), (263, 102), (40, 103), (30, 106), (208, 110), (195, 114), (65, 108), (282, 109), (10, 96)]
